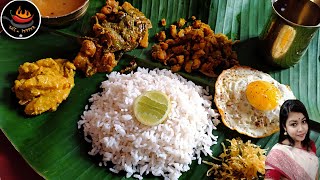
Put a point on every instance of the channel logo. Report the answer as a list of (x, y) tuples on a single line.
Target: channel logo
[(20, 19)]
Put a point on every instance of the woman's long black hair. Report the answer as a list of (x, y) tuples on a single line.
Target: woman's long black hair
[(293, 106)]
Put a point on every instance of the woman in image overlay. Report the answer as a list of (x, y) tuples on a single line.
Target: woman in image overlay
[(294, 156)]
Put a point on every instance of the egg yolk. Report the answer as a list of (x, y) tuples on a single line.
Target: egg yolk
[(263, 95)]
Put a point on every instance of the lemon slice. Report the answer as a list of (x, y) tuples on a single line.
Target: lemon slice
[(151, 108)]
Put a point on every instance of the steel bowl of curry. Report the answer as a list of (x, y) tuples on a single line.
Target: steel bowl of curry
[(59, 13)]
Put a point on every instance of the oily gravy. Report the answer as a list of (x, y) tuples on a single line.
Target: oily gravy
[(54, 8)]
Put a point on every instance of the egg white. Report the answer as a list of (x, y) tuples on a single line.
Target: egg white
[(236, 111)]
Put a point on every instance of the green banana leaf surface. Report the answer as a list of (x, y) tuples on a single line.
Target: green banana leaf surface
[(51, 142)]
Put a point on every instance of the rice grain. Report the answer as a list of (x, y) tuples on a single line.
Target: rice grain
[(165, 150)]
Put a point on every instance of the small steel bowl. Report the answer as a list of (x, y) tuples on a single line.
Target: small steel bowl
[(64, 20)]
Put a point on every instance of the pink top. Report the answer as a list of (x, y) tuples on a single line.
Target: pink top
[(276, 175)]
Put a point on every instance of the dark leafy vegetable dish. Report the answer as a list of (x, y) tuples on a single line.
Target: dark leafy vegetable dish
[(116, 29)]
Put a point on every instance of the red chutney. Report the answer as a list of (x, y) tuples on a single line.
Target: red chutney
[(54, 8)]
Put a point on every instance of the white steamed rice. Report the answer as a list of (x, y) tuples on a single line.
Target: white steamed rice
[(164, 150)]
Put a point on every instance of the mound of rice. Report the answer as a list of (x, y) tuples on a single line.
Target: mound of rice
[(164, 150)]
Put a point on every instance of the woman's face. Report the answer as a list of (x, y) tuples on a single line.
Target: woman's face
[(296, 126)]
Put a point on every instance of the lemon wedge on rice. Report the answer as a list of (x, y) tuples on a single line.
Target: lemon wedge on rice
[(151, 107)]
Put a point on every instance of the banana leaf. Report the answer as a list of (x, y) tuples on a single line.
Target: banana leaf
[(51, 142)]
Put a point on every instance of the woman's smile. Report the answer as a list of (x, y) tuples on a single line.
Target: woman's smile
[(300, 137)]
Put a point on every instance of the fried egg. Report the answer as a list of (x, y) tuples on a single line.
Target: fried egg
[(249, 100)]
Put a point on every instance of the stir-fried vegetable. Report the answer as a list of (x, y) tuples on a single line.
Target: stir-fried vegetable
[(194, 48), (238, 161)]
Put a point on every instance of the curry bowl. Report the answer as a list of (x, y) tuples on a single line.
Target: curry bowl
[(60, 13)]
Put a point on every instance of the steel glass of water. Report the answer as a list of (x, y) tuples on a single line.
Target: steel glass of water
[(289, 31)]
